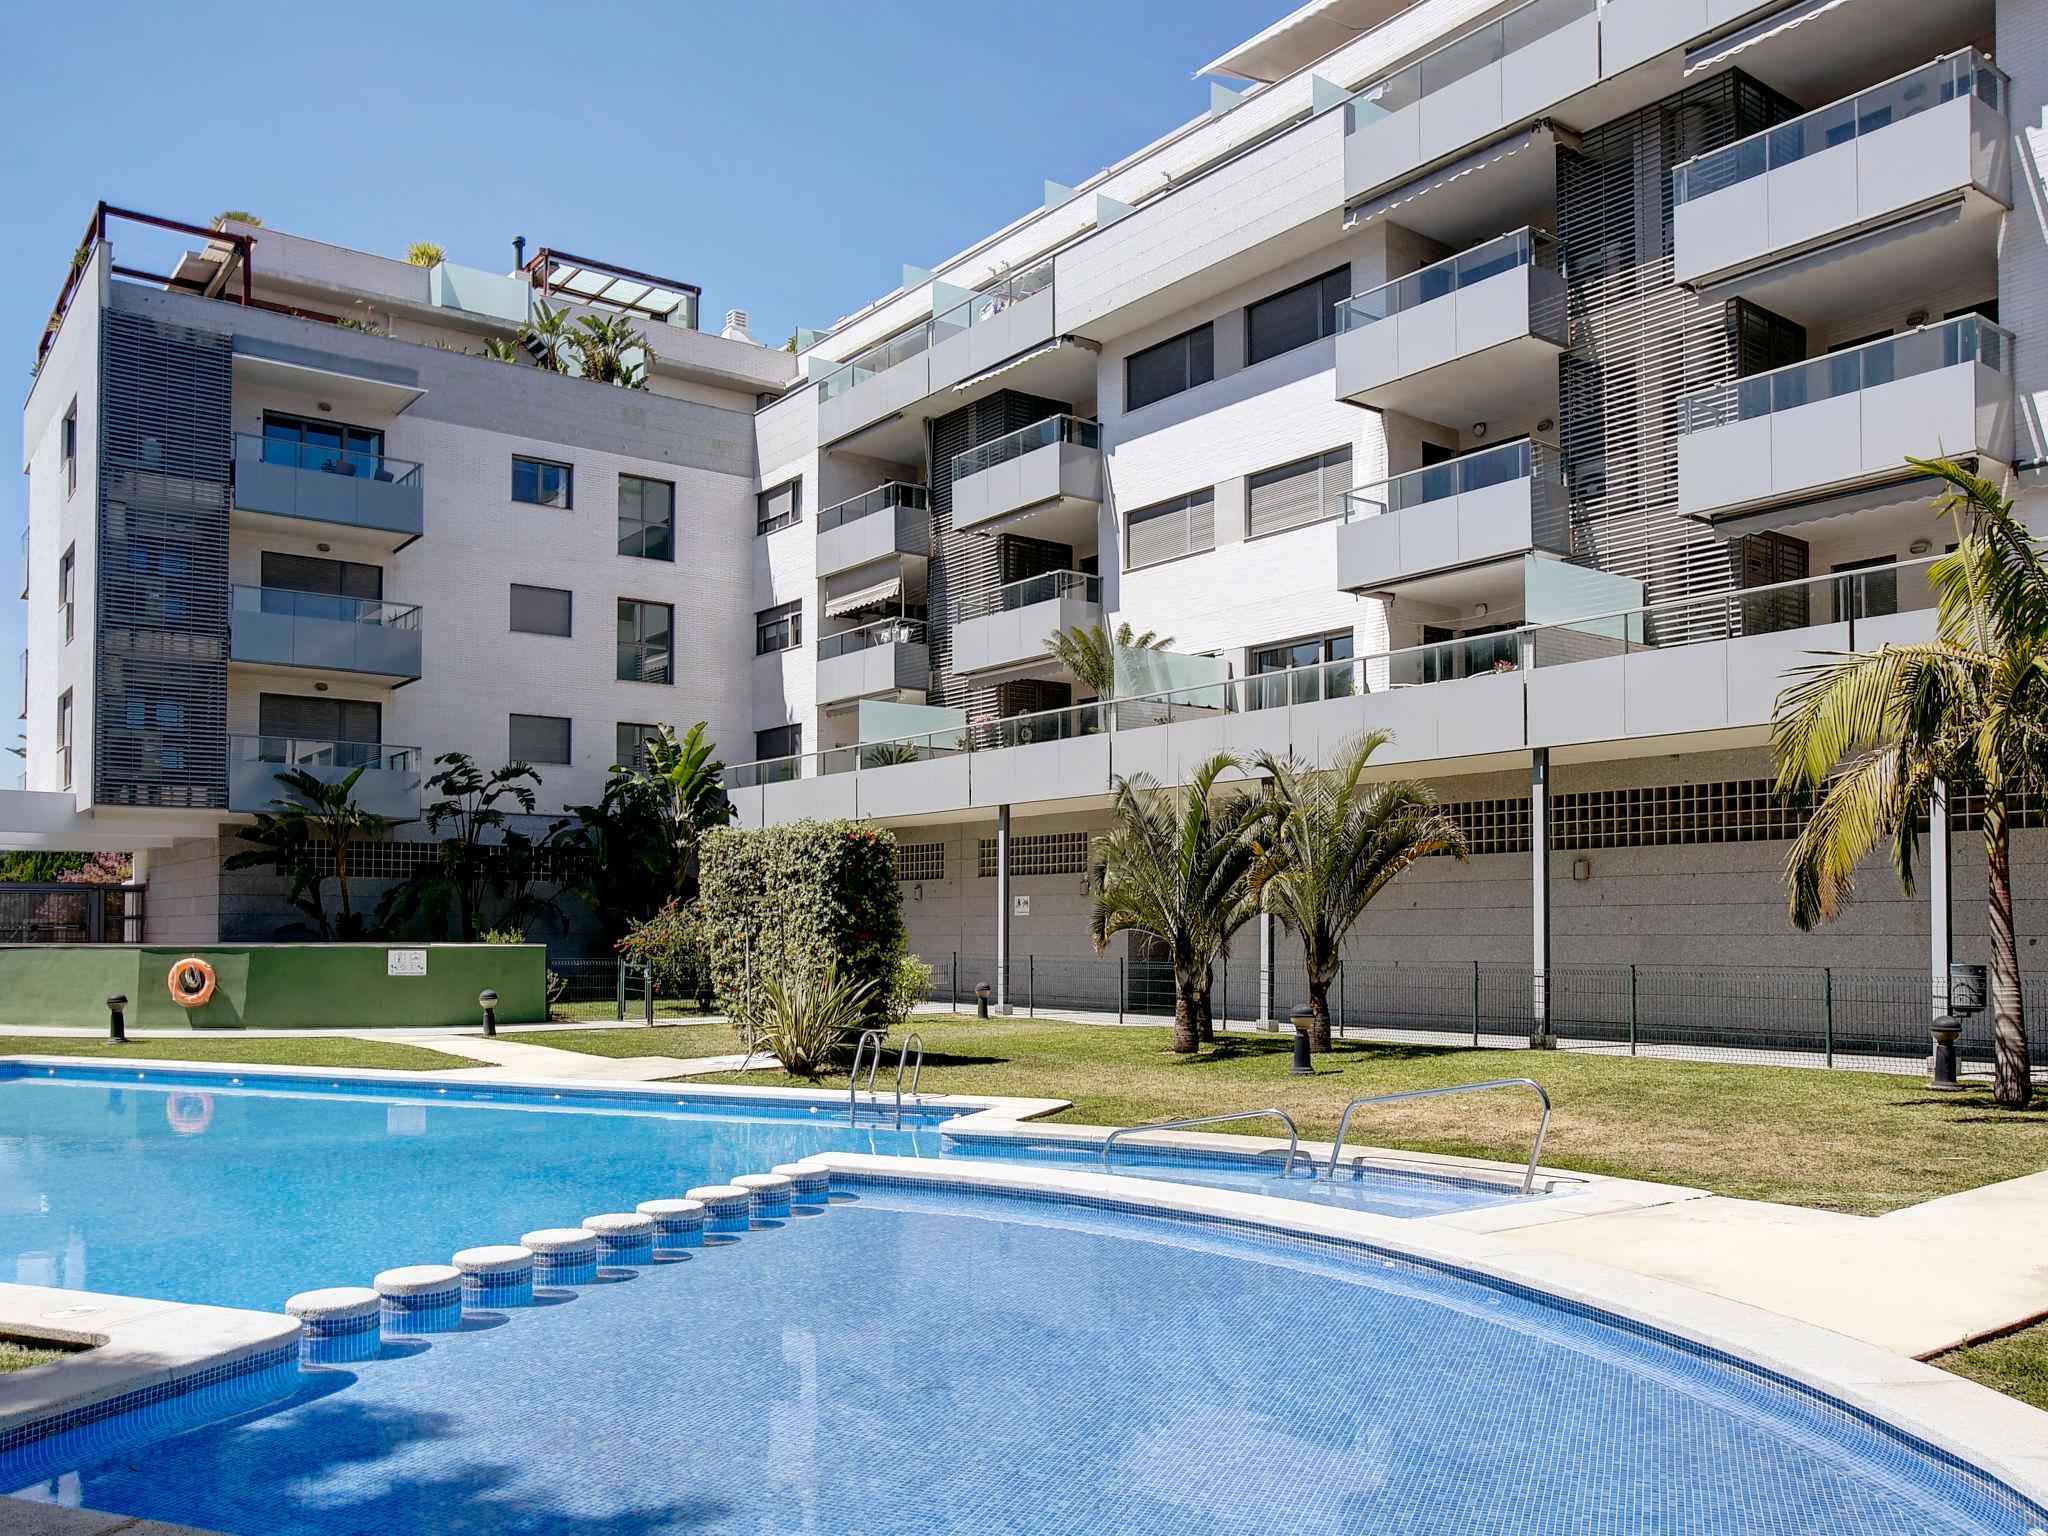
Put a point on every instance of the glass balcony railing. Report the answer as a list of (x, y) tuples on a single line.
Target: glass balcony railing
[(976, 309), (305, 752), (883, 497), (1965, 339), (354, 462), (1947, 79), (1461, 57), (886, 632), (1523, 460), (287, 603), (1014, 445), (1522, 248), (1032, 590)]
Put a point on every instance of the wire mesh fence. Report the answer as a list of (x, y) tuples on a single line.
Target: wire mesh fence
[(604, 987), (1818, 1016)]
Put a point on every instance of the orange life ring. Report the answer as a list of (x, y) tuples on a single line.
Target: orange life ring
[(191, 982)]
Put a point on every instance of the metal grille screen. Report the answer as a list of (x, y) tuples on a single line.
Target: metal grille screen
[(1306, 491), (1050, 853), (920, 861), (166, 459)]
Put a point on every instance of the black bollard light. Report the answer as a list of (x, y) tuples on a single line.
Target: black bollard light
[(488, 1001), (1302, 1066), (117, 1027), (1946, 1030), (981, 992)]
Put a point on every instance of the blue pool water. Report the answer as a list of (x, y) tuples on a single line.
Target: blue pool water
[(913, 1361), (201, 1186)]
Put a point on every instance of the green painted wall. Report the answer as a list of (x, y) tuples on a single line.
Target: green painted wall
[(273, 986)]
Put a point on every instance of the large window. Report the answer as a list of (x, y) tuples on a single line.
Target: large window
[(1317, 669), (330, 578), (67, 588), (1170, 529), (779, 629), (646, 637), (304, 718), (1172, 366), (647, 518), (315, 443), (541, 610), (779, 506), (538, 739), (782, 741), (1304, 313), (543, 483), (1306, 491), (633, 739)]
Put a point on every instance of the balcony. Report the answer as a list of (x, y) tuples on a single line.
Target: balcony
[(1006, 631), (371, 495), (971, 333), (276, 628), (1477, 334), (1507, 72), (1044, 481), (888, 660), (389, 786), (891, 520), (1848, 419), (1434, 525), (1898, 187)]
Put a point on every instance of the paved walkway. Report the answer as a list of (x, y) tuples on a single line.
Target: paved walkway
[(510, 1057)]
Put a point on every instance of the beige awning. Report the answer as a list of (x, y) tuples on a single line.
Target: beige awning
[(1724, 48), (864, 597)]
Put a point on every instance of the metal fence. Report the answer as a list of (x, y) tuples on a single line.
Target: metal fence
[(56, 913), (605, 986), (1819, 1016)]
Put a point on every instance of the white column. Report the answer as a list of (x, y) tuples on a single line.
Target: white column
[(1002, 998), (1541, 1034), (1940, 899)]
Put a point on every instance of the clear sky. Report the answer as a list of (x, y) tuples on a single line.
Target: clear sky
[(788, 156)]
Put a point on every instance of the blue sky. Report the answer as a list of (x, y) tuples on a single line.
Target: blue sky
[(788, 156)]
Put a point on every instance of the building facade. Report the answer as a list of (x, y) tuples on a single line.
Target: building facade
[(1534, 384)]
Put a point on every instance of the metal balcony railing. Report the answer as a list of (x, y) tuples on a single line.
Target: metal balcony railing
[(895, 493), (1014, 445), (868, 636), (1522, 460), (1049, 586), (355, 462), (1520, 248)]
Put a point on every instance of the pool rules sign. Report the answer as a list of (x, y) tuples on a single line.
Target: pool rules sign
[(405, 962)]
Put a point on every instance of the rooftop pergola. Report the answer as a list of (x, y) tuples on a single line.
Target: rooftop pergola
[(601, 285)]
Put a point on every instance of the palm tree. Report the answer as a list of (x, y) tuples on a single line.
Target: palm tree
[(1335, 845), (314, 814), (691, 786), (1176, 866), (547, 338), (609, 350), (485, 851), (1877, 731), (1089, 652)]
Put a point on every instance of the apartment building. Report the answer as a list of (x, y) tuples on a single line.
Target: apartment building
[(1532, 383)]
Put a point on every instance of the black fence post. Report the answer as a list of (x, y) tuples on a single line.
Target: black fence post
[(1475, 1002), (1031, 986), (620, 1013), (1827, 977), (953, 992), (1120, 989), (1631, 1010)]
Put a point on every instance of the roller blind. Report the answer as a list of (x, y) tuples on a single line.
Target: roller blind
[(1183, 526), (540, 610), (539, 739), (1306, 491)]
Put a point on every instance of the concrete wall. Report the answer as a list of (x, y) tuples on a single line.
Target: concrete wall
[(182, 903)]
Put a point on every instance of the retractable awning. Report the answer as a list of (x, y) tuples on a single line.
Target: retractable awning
[(1722, 49), (1856, 245), (975, 381), (1543, 135), (1797, 514), (870, 596)]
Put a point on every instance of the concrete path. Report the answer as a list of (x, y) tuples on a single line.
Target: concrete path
[(513, 1058)]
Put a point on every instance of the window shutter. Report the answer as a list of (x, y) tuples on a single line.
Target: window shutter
[(540, 610), (539, 739), (1306, 491), (1184, 526)]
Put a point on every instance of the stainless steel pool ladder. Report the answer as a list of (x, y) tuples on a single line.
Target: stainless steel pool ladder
[(1293, 1138), (1535, 1150), (879, 1038)]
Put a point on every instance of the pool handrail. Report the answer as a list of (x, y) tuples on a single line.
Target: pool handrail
[(1293, 1136), (1535, 1150), (916, 1072), (853, 1077)]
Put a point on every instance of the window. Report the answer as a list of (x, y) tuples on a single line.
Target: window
[(542, 483), (1306, 491), (64, 740), (539, 739), (780, 506), (1172, 366), (70, 449), (540, 610), (1318, 669), (779, 629), (332, 446), (645, 632), (67, 584), (1304, 313), (782, 741), (295, 718), (633, 739), (1866, 589), (331, 578), (647, 518), (1184, 526)]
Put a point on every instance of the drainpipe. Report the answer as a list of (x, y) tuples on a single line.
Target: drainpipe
[(1002, 909), (1542, 1035)]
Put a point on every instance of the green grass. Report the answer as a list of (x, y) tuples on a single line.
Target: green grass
[(2014, 1363), (287, 1051), (1845, 1141), (606, 1012), (662, 1040), (19, 1355)]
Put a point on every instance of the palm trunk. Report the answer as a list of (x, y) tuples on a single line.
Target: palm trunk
[(1205, 1015), (1186, 1040), (1319, 1012), (2013, 1086)]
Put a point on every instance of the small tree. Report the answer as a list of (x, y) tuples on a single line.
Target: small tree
[(315, 817), (483, 855), (608, 350), (547, 337), (691, 784), (1089, 652), (1176, 866), (1335, 845)]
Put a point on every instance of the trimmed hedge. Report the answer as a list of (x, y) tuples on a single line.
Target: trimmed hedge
[(791, 900)]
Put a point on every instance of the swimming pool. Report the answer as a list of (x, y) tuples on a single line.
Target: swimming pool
[(242, 1189), (920, 1359)]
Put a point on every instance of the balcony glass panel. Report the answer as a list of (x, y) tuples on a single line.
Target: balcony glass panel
[(1521, 460), (880, 499), (326, 606), (1462, 57), (330, 459), (868, 636), (1967, 73), (300, 752), (974, 310), (1014, 445), (1032, 590), (1523, 247)]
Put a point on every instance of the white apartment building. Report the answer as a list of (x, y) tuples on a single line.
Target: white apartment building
[(1534, 383)]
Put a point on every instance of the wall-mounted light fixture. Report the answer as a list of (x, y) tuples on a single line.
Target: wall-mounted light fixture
[(1582, 870)]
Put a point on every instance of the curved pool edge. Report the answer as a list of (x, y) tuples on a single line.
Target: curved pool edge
[(1998, 1436)]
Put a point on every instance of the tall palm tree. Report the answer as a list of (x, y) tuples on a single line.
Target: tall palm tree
[(1877, 731), (1176, 866), (1334, 846), (1089, 652)]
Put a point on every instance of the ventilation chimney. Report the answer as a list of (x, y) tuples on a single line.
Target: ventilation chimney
[(736, 328)]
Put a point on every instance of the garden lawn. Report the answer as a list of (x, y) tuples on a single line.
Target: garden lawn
[(16, 1356), (2015, 1364), (606, 1012), (1860, 1142), (684, 1040), (285, 1051)]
